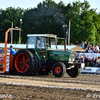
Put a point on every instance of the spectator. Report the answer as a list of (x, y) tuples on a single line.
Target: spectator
[(90, 62), (97, 48), (82, 45), (85, 45), (98, 62), (81, 60), (94, 49), (97, 51), (86, 59), (90, 51), (77, 58), (96, 58), (76, 54), (12, 51), (86, 50), (93, 61)]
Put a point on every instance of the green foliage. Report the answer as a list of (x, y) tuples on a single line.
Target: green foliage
[(49, 17), (46, 18), (83, 26), (6, 18)]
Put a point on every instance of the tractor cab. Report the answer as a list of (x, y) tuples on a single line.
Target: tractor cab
[(41, 41)]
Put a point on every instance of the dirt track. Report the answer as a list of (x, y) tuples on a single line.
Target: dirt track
[(84, 87)]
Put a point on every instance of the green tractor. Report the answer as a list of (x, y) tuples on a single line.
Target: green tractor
[(42, 56)]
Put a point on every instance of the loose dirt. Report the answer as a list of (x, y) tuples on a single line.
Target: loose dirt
[(48, 87)]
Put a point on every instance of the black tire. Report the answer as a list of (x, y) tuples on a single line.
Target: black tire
[(24, 63), (74, 72), (58, 69), (36, 64)]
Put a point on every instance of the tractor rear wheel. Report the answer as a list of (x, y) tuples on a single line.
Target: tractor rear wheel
[(74, 72), (24, 63), (36, 64), (58, 69)]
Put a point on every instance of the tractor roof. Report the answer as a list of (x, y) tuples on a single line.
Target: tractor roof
[(43, 35)]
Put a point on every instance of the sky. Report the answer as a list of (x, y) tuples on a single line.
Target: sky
[(33, 3)]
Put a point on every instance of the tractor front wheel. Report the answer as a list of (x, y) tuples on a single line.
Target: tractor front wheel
[(58, 69), (74, 72)]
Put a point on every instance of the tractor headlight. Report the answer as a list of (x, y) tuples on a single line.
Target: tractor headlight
[(69, 59), (73, 59)]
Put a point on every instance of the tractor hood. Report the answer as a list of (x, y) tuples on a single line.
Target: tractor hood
[(61, 55)]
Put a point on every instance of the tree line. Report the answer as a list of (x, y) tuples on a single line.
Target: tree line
[(49, 18)]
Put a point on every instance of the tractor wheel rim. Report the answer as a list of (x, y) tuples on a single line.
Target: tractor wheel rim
[(57, 69), (22, 62), (72, 71)]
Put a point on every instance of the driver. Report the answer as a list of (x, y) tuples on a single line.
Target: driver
[(39, 43)]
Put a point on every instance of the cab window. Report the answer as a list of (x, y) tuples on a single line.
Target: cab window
[(31, 42)]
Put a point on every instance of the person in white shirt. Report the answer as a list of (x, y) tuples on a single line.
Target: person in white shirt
[(96, 48)]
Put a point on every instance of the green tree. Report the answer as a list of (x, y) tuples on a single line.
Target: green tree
[(6, 18), (46, 18), (82, 21), (96, 20), (83, 28)]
